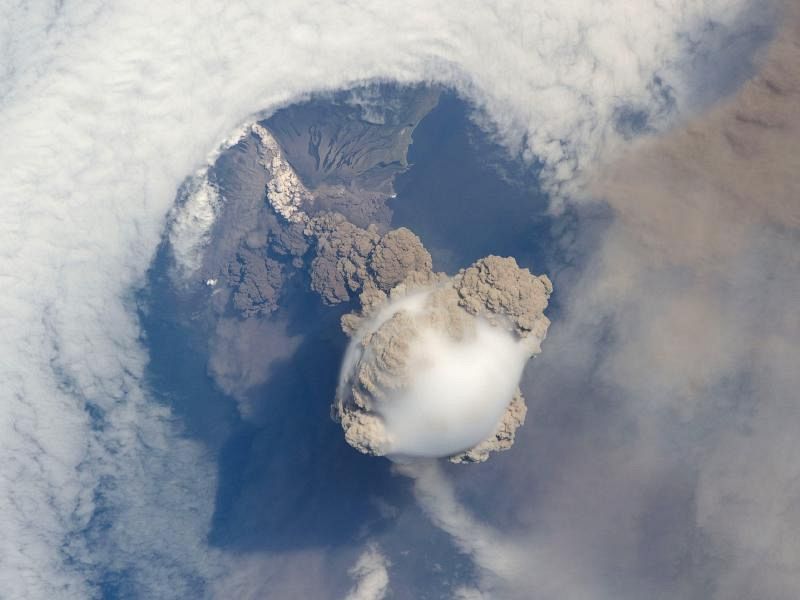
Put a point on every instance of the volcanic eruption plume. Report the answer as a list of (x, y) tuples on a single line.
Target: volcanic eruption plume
[(433, 365)]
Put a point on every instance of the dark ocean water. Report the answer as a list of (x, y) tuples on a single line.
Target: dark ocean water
[(290, 482), (464, 200)]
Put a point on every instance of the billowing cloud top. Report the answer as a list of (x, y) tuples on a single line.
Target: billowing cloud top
[(432, 368)]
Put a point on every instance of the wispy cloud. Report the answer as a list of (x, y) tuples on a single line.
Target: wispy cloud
[(371, 574)]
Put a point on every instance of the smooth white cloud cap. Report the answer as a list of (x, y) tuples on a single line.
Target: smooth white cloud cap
[(458, 394)]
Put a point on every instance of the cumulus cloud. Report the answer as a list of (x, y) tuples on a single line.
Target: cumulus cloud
[(106, 107), (196, 208), (371, 574), (192, 223)]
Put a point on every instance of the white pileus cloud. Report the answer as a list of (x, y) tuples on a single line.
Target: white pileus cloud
[(459, 392)]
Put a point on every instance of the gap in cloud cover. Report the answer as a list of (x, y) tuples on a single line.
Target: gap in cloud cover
[(288, 455)]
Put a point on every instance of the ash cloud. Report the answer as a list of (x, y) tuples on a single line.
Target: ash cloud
[(433, 366), (704, 262), (350, 260), (434, 362)]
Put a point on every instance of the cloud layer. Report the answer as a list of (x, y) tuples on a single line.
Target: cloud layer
[(105, 108), (371, 574)]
